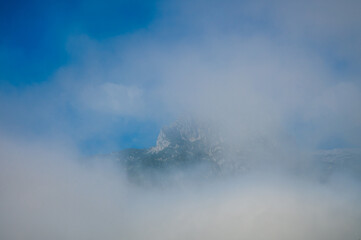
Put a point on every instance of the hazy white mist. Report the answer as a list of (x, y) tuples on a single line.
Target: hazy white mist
[(46, 193), (266, 74)]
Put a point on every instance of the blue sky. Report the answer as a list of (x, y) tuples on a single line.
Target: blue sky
[(279, 80), (34, 34), (108, 75), (34, 41)]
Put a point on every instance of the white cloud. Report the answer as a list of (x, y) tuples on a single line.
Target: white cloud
[(47, 193), (253, 68), (113, 98)]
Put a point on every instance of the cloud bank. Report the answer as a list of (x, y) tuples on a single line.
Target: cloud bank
[(282, 70), (48, 193), (280, 78)]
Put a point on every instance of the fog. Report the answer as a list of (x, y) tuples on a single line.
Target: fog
[(279, 81), (48, 193)]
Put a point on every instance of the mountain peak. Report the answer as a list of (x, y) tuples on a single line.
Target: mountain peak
[(183, 131), (191, 144)]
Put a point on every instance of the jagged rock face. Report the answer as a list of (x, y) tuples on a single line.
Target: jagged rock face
[(190, 146), (162, 142), (186, 144), (188, 135)]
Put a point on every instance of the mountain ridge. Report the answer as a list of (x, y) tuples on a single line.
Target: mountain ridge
[(190, 145)]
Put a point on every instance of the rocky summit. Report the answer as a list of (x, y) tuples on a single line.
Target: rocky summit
[(185, 146), (190, 148)]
